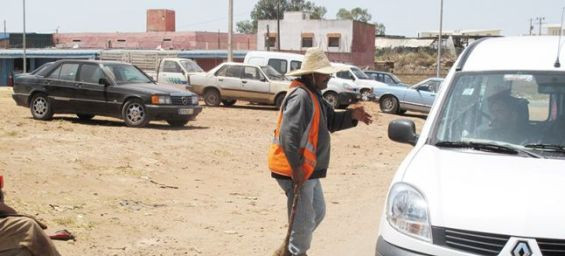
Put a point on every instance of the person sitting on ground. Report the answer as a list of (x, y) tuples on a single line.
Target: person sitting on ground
[(22, 235)]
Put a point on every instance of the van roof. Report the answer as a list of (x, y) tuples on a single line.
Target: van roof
[(515, 53)]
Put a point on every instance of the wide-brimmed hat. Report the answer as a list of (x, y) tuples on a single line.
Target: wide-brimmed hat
[(315, 61)]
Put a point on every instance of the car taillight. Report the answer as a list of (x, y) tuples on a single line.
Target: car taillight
[(1, 182)]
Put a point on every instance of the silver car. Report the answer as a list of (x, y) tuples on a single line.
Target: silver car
[(399, 99)]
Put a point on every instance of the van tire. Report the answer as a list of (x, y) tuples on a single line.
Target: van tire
[(212, 97)]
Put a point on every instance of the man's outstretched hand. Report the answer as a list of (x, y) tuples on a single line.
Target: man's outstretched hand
[(359, 114)]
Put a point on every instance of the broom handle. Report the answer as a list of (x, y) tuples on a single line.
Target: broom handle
[(292, 214)]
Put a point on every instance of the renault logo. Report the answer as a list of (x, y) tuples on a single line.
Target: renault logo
[(522, 249)]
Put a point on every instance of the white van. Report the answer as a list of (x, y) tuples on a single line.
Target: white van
[(486, 174), (283, 62)]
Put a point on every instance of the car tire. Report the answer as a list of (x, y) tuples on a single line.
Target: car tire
[(212, 98), (332, 98), (134, 113), (177, 122), (365, 94), (279, 100), (389, 104), (85, 117), (40, 107), (229, 103)]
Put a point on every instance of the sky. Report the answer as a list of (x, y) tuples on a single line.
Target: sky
[(401, 17)]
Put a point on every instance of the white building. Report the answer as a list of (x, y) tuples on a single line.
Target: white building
[(466, 32), (551, 29)]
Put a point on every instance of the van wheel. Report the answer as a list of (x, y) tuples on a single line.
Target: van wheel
[(331, 97), (41, 107), (389, 104), (212, 97), (229, 103), (279, 100)]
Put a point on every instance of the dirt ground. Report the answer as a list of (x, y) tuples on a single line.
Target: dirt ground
[(199, 190)]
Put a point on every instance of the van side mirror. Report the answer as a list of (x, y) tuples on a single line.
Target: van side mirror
[(103, 81), (403, 131)]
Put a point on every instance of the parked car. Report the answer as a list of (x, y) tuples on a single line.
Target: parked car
[(365, 84), (385, 77), (175, 71), (340, 94), (483, 179), (230, 81), (115, 89), (399, 99)]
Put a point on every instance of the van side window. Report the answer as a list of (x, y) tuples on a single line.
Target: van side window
[(279, 65), (294, 65)]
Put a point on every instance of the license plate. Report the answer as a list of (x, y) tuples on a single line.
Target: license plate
[(186, 111)]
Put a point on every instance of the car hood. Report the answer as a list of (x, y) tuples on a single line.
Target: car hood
[(156, 89), (369, 83), (493, 193)]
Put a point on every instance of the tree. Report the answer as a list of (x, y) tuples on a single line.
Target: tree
[(267, 10), (357, 14), (380, 29), (245, 27)]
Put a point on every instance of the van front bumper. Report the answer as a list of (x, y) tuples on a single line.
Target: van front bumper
[(385, 248)]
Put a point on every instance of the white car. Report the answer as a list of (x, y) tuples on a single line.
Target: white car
[(363, 83), (486, 175)]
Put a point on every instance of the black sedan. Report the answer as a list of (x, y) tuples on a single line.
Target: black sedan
[(88, 88)]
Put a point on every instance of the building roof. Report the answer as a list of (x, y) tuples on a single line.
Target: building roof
[(48, 53)]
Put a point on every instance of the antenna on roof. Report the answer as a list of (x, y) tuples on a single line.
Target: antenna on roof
[(557, 64)]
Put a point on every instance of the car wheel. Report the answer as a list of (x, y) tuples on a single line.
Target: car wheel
[(41, 107), (279, 100), (389, 104), (365, 94), (228, 103), (177, 122), (212, 98), (135, 114), (85, 117), (332, 98)]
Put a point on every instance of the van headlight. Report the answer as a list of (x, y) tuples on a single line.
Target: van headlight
[(407, 212)]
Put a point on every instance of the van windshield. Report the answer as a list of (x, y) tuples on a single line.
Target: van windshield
[(273, 74), (521, 109)]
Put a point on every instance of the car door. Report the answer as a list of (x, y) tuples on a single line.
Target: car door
[(229, 81), (61, 88), (93, 98), (255, 84), (170, 72), (421, 97)]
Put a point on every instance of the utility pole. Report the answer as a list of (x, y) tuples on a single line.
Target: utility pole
[(278, 26), (5, 29), (439, 40), (531, 26), (230, 30), (268, 41), (24, 37), (540, 21)]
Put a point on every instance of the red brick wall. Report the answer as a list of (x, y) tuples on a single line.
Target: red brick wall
[(160, 20), (363, 45), (151, 40)]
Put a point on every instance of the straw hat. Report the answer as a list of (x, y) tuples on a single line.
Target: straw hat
[(315, 61)]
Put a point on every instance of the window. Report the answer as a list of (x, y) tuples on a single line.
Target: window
[(333, 39), (124, 74), (68, 72), (251, 73), (222, 71), (279, 65), (90, 74), (270, 40), (294, 65), (307, 40), (55, 73), (171, 67), (234, 71), (388, 80), (344, 75)]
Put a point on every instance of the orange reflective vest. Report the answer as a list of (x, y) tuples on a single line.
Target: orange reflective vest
[(278, 163)]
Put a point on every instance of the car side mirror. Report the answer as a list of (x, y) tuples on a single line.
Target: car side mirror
[(403, 131), (103, 81)]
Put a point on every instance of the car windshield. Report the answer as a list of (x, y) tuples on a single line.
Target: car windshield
[(273, 74), (190, 66), (124, 73), (360, 74), (395, 78), (524, 110)]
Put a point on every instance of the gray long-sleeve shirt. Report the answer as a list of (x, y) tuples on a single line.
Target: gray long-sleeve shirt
[(297, 113)]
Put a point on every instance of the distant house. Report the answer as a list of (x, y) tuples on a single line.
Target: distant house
[(343, 40)]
